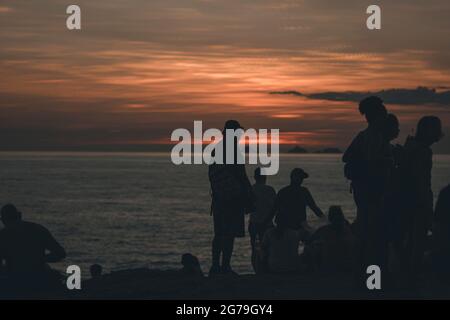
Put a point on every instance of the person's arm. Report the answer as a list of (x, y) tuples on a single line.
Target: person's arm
[(317, 236), (241, 175), (376, 157), (273, 206), (274, 210), (352, 149), (312, 204), (264, 253), (56, 251), (238, 171)]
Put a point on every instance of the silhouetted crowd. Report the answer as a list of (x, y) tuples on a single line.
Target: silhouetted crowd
[(396, 226)]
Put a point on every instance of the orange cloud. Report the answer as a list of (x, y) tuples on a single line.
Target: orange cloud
[(5, 9)]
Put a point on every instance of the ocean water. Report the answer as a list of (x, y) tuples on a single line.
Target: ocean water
[(130, 210)]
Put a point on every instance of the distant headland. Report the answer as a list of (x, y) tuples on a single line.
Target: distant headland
[(331, 150)]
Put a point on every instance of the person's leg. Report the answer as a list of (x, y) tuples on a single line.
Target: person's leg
[(228, 245), (361, 233), (216, 251), (217, 242), (262, 228), (419, 247), (253, 232)]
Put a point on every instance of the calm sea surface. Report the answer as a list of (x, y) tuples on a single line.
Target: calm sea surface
[(127, 210)]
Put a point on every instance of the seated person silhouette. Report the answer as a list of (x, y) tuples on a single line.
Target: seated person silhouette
[(291, 202), (25, 249), (96, 271), (332, 247), (279, 250), (96, 281), (191, 265)]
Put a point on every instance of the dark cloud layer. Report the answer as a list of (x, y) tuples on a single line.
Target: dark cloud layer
[(418, 96)]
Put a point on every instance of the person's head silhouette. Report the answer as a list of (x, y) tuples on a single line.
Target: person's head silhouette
[(297, 176), (259, 178), (429, 130), (188, 260), (391, 127), (236, 134), (10, 215), (191, 265), (96, 271), (373, 109), (233, 125)]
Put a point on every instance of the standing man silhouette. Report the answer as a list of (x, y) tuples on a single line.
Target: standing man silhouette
[(417, 199), (231, 197), (365, 166)]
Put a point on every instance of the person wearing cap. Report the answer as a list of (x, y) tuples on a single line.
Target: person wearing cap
[(232, 198), (25, 249), (291, 203)]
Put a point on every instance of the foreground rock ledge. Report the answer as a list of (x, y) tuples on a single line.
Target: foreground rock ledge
[(158, 284)]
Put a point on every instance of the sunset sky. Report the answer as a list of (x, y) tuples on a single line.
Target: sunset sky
[(139, 69)]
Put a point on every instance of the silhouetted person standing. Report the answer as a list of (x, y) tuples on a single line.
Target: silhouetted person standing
[(417, 194), (264, 201), (26, 248), (362, 157), (365, 166), (441, 236), (389, 224), (291, 203), (231, 196)]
